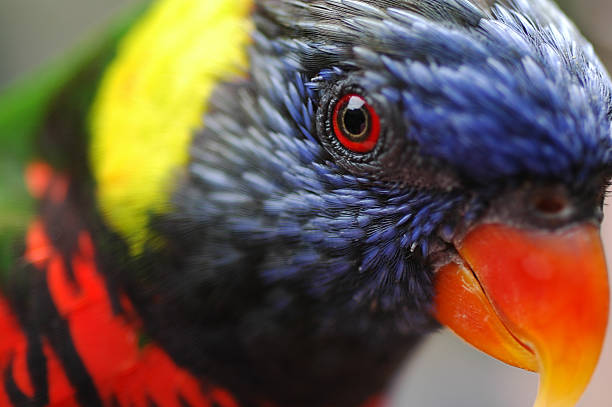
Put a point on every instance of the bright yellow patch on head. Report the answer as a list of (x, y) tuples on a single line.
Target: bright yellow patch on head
[(153, 97)]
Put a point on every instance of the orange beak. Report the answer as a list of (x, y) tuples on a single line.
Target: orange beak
[(534, 299)]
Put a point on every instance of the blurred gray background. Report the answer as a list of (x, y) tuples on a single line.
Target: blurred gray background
[(444, 372)]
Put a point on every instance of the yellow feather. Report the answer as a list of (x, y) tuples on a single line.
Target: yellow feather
[(152, 99)]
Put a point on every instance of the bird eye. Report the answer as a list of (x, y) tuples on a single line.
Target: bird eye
[(356, 124)]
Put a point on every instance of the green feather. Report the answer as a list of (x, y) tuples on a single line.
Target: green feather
[(23, 109)]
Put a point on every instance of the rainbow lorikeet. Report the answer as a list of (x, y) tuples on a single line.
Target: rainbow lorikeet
[(270, 203)]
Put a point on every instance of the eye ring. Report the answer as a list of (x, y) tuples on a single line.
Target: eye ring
[(356, 124)]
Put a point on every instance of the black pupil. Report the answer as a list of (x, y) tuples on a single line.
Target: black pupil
[(355, 119)]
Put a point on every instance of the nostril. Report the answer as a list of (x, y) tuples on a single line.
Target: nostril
[(551, 205)]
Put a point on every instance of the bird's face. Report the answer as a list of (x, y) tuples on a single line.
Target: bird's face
[(403, 159)]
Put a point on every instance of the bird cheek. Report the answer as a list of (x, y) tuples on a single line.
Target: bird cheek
[(534, 299)]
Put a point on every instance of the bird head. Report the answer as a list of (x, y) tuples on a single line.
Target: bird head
[(389, 163)]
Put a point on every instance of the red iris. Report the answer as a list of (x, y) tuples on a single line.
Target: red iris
[(356, 124)]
